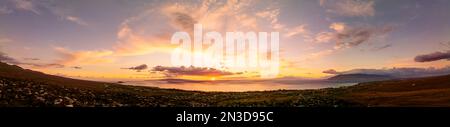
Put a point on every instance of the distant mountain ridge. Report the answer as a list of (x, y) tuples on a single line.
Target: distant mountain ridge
[(355, 78)]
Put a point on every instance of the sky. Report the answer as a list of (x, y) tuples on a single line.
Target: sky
[(119, 39)]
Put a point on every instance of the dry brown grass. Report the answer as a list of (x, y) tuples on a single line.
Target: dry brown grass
[(421, 92)]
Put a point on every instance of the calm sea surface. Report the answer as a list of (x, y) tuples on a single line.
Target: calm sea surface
[(238, 86)]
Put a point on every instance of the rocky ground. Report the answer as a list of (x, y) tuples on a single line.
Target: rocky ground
[(23, 93)]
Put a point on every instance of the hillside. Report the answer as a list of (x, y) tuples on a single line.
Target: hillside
[(17, 73), (429, 91)]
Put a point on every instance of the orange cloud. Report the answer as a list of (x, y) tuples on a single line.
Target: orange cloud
[(338, 26), (131, 43), (83, 57)]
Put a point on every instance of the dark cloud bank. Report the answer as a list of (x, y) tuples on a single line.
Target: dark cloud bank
[(433, 57)]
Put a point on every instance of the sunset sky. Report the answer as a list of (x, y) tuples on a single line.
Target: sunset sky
[(113, 39)]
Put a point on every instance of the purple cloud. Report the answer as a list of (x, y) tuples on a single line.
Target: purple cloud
[(138, 68), (331, 71), (5, 58), (77, 67), (433, 57)]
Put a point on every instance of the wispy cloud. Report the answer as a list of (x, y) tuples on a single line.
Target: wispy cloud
[(5, 10), (446, 44), (31, 59), (36, 7), (62, 13), (381, 47), (323, 37), (4, 40), (215, 15), (27, 5), (132, 42), (299, 30), (271, 15), (69, 57), (76, 20), (320, 54), (351, 8), (346, 36), (48, 65)]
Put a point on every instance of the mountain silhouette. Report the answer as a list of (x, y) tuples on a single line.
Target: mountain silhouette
[(356, 78)]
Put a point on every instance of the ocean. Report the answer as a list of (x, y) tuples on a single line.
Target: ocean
[(238, 85)]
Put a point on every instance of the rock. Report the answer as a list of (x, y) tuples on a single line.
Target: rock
[(69, 100), (117, 104), (58, 101), (40, 99)]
